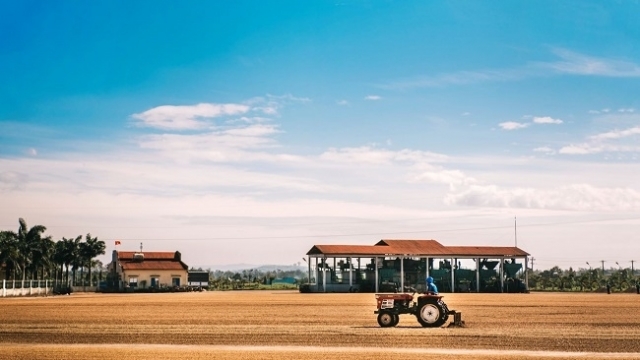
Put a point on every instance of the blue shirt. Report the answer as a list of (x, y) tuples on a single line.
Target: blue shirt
[(432, 287)]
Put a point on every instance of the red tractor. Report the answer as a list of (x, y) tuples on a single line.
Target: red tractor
[(428, 308)]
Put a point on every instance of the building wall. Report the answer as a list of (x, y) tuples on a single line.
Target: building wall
[(164, 277)]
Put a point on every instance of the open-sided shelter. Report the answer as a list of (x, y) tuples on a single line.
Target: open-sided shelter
[(393, 264)]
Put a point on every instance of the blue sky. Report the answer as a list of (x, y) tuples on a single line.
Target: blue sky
[(246, 132)]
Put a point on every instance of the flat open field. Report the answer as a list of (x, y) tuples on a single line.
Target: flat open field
[(281, 325)]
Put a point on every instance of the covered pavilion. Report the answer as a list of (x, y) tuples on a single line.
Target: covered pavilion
[(419, 255)]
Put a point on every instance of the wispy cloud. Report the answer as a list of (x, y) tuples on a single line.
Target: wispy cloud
[(570, 197), (373, 97), (342, 102), (545, 150), (372, 155), (578, 64), (546, 120), (610, 141), (186, 117), (512, 125), (567, 63), (538, 120)]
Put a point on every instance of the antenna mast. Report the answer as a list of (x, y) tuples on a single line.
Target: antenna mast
[(515, 229)]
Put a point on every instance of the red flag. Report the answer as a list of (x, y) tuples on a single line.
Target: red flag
[(117, 242)]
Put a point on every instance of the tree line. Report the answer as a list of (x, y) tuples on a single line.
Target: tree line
[(558, 279), (30, 255)]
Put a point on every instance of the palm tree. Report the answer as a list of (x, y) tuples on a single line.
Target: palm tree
[(71, 248), (28, 241), (59, 257), (42, 256), (92, 248), (9, 253)]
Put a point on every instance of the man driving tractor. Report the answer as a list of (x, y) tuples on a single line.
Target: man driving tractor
[(431, 287)]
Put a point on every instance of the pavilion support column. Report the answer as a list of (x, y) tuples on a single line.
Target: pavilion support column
[(477, 274), (526, 272), (402, 273), (426, 273), (502, 275), (453, 267), (335, 272), (324, 275), (350, 273), (315, 276), (309, 264), (376, 271)]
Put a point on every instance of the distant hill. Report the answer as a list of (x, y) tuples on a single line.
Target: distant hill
[(240, 267)]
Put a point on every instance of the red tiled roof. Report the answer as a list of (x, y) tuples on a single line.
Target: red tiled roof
[(154, 265), (154, 255)]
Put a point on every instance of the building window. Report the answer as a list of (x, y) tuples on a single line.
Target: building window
[(155, 281), (175, 281), (133, 281)]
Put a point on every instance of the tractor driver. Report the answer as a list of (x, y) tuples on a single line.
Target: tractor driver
[(431, 287)]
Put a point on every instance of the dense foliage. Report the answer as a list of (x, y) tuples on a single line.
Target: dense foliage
[(30, 255)]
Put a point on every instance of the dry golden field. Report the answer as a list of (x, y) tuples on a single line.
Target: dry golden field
[(279, 325)]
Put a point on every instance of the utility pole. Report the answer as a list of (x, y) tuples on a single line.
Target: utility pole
[(532, 258), (632, 272), (515, 229), (602, 261)]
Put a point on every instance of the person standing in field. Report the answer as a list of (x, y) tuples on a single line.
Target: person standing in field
[(431, 286)]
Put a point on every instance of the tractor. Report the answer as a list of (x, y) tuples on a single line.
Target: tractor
[(428, 308)]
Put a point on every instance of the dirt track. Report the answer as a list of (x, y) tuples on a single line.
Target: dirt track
[(258, 324)]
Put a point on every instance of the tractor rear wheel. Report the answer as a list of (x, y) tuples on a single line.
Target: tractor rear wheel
[(432, 314), (387, 319)]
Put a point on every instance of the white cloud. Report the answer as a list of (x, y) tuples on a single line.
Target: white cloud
[(569, 62), (371, 155), (466, 113), (627, 110), (512, 125), (579, 64), (186, 117), (32, 152), (546, 120), (611, 141), (342, 102), (570, 197), (12, 180), (444, 176), (617, 134), (545, 150), (372, 97)]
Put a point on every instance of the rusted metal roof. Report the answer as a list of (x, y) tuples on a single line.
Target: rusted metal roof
[(148, 255), (154, 265), (486, 251), (348, 250), (415, 248)]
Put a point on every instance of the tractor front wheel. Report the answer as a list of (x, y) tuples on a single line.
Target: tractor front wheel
[(432, 314), (386, 319)]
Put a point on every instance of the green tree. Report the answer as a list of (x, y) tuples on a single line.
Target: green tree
[(28, 243), (88, 250), (9, 252)]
